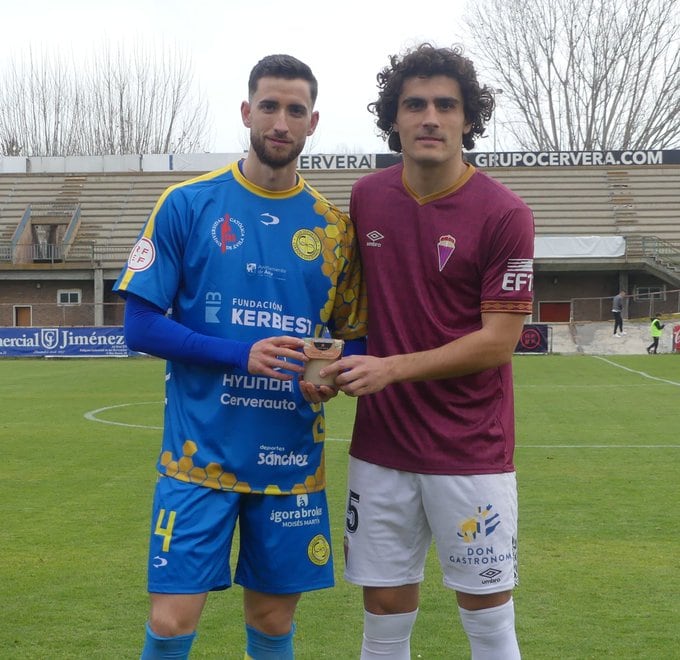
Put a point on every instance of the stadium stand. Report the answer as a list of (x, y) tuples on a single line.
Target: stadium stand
[(112, 208), (80, 225)]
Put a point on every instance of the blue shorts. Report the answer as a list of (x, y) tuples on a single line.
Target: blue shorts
[(284, 544)]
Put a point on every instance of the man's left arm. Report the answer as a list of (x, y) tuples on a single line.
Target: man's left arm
[(489, 347)]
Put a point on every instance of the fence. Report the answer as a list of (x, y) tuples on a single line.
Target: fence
[(43, 314), (91, 253), (643, 303)]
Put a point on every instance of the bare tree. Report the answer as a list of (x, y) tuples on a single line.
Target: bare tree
[(583, 74), (123, 101)]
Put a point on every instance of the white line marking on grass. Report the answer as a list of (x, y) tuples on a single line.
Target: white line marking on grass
[(565, 446), (579, 386), (597, 446), (644, 374), (92, 415)]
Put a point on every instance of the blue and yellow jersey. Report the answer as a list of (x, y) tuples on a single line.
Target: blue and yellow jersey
[(233, 260)]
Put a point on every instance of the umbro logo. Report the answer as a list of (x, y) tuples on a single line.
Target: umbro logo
[(490, 576), (374, 238)]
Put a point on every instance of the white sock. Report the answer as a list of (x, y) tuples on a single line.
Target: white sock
[(491, 632), (387, 635)]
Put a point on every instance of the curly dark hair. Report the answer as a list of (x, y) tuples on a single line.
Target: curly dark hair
[(426, 61)]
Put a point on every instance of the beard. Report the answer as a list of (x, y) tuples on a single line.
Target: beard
[(273, 160)]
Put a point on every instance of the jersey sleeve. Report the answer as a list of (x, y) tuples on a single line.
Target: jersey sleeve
[(149, 330), (154, 265), (507, 279), (349, 316)]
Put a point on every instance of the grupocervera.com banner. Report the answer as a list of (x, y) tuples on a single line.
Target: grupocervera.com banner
[(63, 342)]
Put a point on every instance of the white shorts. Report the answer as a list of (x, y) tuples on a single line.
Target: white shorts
[(392, 517)]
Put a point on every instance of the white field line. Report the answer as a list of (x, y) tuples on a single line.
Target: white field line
[(644, 374), (92, 415)]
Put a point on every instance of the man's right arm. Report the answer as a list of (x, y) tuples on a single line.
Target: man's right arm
[(148, 330), (489, 347)]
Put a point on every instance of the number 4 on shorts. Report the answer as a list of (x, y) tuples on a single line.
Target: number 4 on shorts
[(165, 532)]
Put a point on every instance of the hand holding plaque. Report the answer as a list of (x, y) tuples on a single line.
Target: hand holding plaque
[(321, 351)]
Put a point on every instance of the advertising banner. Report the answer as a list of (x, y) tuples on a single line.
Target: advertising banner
[(676, 339), (534, 339), (63, 342)]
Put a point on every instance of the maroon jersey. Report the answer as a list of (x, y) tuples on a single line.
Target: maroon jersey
[(432, 266)]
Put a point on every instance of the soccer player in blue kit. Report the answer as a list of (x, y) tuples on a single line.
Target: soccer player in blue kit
[(231, 270)]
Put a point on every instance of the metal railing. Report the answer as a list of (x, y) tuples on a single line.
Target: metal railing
[(639, 304), (93, 253), (665, 253)]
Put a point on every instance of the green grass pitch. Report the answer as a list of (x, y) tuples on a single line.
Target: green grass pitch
[(597, 461)]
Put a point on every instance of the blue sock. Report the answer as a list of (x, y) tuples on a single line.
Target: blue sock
[(265, 647), (160, 648)]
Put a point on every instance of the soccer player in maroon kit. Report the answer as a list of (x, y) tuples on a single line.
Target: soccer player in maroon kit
[(447, 254)]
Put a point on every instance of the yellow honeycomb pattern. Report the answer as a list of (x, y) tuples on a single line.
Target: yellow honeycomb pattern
[(346, 303), (213, 476)]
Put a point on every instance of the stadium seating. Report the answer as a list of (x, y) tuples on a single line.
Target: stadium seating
[(635, 202)]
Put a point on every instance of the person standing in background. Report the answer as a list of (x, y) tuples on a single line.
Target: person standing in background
[(447, 258), (617, 310), (250, 260), (655, 328)]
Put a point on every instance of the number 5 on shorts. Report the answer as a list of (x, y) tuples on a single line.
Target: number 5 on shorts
[(352, 521)]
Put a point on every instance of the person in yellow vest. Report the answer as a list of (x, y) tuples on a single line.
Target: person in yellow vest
[(655, 329)]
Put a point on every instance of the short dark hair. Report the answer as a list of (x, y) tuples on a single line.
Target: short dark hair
[(282, 66), (426, 61)]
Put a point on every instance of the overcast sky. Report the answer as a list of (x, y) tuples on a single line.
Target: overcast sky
[(346, 43)]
